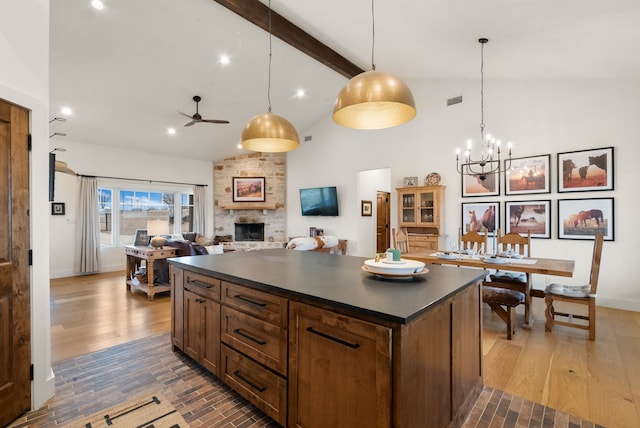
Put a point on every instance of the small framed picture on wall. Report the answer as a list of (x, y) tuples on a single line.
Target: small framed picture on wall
[(57, 208), (528, 175), (366, 208), (481, 185), (585, 170)]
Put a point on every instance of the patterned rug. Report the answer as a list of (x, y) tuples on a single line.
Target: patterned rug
[(151, 410)]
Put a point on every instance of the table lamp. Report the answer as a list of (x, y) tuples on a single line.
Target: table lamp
[(156, 228)]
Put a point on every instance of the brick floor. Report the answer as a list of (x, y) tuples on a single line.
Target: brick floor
[(89, 383)]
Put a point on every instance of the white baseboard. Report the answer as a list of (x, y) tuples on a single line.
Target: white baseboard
[(68, 273), (624, 304)]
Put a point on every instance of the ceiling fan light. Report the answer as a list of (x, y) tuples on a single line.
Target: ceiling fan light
[(269, 133), (374, 100)]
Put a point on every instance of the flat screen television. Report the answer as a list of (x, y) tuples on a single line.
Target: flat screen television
[(319, 201)]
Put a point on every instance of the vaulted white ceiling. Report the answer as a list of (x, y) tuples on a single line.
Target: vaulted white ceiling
[(125, 69)]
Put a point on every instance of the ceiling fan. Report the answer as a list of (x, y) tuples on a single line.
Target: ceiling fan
[(196, 118)]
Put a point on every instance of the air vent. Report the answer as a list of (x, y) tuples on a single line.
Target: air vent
[(308, 138), (455, 100)]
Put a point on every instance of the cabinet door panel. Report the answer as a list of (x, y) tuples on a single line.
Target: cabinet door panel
[(177, 311), (211, 336), (340, 373)]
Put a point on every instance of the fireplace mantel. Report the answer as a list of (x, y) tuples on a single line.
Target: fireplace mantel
[(263, 207)]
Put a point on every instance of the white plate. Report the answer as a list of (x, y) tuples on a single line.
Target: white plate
[(395, 275), (496, 260), (406, 268), (396, 262), (512, 255), (444, 256)]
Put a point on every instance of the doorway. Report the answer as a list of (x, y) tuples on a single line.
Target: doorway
[(383, 220), (15, 316)]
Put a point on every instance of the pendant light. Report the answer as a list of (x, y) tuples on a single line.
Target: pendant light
[(269, 132), (374, 99)]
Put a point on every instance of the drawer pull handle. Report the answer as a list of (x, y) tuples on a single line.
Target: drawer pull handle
[(248, 382), (248, 336), (335, 339), (247, 300), (199, 283)]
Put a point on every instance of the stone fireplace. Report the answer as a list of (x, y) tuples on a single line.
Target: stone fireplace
[(249, 232)]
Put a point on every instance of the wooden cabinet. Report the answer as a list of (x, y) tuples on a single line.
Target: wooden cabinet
[(340, 370), (420, 212), (201, 321), (177, 307)]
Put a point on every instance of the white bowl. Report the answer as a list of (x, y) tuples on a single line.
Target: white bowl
[(407, 268)]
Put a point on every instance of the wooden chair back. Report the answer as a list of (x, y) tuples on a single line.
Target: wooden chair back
[(579, 295), (400, 240), (514, 241), (474, 241)]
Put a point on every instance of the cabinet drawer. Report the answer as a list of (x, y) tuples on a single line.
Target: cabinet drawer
[(202, 285), (261, 305), (264, 389), (264, 342), (418, 238)]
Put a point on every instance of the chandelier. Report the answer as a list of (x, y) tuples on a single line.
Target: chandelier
[(489, 160)]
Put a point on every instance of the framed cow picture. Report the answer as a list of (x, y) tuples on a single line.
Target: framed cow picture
[(582, 218), (585, 170), (480, 216)]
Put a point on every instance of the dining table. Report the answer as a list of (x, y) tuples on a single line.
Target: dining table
[(529, 265)]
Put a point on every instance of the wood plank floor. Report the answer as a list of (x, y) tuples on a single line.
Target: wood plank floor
[(597, 381)]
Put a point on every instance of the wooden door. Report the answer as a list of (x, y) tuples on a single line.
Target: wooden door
[(383, 218), (15, 327), (339, 370)]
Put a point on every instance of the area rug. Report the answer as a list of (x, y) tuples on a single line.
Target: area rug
[(150, 411)]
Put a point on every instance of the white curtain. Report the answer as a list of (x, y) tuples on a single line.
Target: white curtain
[(88, 245), (199, 202)]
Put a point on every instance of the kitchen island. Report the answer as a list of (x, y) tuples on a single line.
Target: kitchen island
[(313, 341)]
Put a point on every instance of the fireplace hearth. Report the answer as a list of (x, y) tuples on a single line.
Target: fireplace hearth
[(249, 232)]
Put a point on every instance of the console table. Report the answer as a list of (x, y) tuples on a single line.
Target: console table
[(135, 255)]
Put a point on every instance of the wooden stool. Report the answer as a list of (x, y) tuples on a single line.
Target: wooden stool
[(503, 301)]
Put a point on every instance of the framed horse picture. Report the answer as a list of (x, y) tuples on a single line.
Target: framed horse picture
[(528, 216), (582, 218), (528, 175), (481, 217), (585, 170)]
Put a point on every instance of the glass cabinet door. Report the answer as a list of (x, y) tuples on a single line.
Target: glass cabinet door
[(408, 208), (427, 207)]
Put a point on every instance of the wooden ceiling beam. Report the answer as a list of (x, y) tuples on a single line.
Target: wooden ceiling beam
[(256, 12)]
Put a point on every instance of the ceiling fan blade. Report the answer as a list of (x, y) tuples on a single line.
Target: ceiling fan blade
[(214, 121), (184, 114), (191, 123)]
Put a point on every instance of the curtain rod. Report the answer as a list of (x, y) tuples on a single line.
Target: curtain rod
[(140, 179)]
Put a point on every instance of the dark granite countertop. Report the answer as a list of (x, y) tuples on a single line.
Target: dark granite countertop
[(334, 280)]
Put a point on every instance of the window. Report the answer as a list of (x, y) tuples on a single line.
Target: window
[(123, 211)]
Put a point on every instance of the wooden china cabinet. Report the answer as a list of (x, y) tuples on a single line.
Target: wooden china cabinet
[(420, 214)]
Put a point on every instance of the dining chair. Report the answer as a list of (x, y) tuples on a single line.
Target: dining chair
[(400, 240), (579, 294), (504, 290), (472, 240)]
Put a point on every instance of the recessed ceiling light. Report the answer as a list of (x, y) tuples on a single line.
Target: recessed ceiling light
[(300, 93), (97, 4), (224, 59), (67, 111), (239, 146), (171, 131)]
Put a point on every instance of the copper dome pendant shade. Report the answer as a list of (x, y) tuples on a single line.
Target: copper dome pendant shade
[(269, 132), (374, 100)]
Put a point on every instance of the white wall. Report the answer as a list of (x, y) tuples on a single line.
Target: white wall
[(540, 117), (105, 161), (369, 184), (24, 80)]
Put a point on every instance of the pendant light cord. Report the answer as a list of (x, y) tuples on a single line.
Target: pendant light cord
[(270, 54), (482, 91), (373, 35)]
